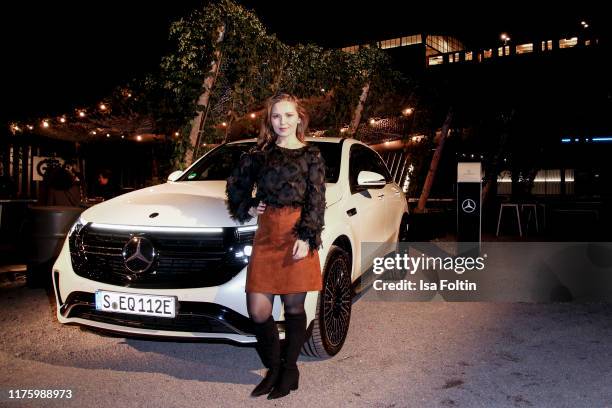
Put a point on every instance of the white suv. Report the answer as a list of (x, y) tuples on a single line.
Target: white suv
[(169, 261)]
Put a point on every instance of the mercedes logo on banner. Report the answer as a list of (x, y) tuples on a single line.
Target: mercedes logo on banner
[(138, 254), (468, 205)]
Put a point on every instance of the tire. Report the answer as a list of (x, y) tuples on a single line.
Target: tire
[(333, 316)]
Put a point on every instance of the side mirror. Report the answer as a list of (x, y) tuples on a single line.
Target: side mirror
[(175, 175), (370, 179)]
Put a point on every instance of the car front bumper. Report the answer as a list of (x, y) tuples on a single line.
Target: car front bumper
[(217, 312)]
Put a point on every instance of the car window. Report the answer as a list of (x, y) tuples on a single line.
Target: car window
[(219, 163), (382, 167), (362, 158), (331, 153)]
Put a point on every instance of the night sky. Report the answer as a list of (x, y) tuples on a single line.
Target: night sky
[(62, 55)]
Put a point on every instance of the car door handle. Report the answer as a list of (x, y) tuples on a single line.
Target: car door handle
[(381, 196), (351, 212)]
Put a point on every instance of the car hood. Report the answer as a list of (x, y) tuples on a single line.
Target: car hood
[(178, 204)]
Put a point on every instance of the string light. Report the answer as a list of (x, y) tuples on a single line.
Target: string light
[(108, 135), (372, 121), (224, 124), (252, 116), (407, 111), (139, 138), (176, 134), (123, 136), (93, 132), (322, 89), (80, 113)]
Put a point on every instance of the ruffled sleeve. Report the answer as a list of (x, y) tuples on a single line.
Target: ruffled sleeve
[(311, 223), (239, 188)]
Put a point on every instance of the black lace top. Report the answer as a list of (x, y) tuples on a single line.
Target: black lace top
[(284, 177)]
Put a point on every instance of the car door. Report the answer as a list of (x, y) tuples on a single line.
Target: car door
[(392, 201), (366, 206)]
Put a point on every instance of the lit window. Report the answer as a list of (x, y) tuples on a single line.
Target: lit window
[(437, 60), (524, 48), (439, 43), (488, 53), (395, 42), (468, 56), (568, 42), (587, 42), (411, 40)]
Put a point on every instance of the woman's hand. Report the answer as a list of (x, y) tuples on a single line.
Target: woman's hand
[(253, 211), (300, 249)]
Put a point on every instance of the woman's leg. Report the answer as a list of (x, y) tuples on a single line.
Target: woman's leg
[(294, 302), (259, 306), (295, 321)]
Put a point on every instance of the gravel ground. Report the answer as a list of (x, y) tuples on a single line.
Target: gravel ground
[(398, 354)]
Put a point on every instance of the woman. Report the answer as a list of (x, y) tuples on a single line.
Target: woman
[(290, 204)]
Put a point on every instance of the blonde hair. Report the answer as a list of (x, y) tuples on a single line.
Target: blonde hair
[(267, 134)]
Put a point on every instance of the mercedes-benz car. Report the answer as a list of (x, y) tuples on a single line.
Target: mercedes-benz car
[(168, 260)]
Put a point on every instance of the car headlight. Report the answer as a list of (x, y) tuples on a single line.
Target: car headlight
[(244, 247)]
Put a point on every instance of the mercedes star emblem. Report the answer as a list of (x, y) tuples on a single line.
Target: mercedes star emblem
[(468, 205), (138, 254)]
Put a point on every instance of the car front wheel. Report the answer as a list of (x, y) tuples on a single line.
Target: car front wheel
[(333, 314)]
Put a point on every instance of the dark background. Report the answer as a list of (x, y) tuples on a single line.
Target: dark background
[(62, 55)]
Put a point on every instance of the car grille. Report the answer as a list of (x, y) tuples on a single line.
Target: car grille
[(191, 317), (183, 260)]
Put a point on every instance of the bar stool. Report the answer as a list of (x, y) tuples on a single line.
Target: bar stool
[(533, 210), (518, 216)]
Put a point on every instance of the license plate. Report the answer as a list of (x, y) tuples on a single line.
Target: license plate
[(146, 305)]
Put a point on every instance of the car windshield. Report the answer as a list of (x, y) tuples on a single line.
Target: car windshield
[(219, 163)]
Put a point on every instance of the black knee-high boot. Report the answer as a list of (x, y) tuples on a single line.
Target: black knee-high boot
[(268, 348), (295, 335)]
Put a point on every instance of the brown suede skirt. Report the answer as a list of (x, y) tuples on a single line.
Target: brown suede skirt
[(272, 268)]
